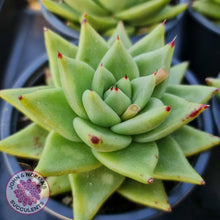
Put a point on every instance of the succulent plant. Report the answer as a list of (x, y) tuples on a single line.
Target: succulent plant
[(208, 8), (113, 120), (215, 82), (104, 15)]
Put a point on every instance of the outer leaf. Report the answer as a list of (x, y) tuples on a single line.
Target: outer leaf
[(172, 164), (142, 11), (58, 185), (113, 5), (182, 113), (50, 109), (150, 62), (91, 189), (100, 139), (61, 156), (87, 6), (177, 73), (87, 53), (192, 93), (137, 161), (28, 142), (150, 42), (53, 44), (76, 77), (119, 62), (98, 111), (193, 141), (152, 195), (142, 123), (122, 34)]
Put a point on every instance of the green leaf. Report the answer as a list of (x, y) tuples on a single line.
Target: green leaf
[(58, 185), (28, 142), (150, 42), (87, 6), (142, 123), (61, 156), (55, 43), (98, 111), (150, 62), (119, 62), (91, 190), (102, 80), (91, 55), (177, 73), (214, 82), (172, 164), (152, 195), (76, 77), (182, 112), (137, 161), (98, 138), (113, 5), (192, 93), (122, 34), (193, 141), (49, 109), (125, 85)]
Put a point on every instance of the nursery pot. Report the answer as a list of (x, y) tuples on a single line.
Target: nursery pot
[(32, 76), (173, 27), (201, 44)]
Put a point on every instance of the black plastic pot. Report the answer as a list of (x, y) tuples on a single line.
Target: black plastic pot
[(201, 45), (9, 123), (173, 27)]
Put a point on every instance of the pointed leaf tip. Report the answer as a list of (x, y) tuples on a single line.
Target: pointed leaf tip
[(60, 56), (20, 97), (168, 108), (155, 73), (45, 29), (202, 182), (164, 22), (172, 43), (84, 21), (118, 38), (126, 77), (150, 180)]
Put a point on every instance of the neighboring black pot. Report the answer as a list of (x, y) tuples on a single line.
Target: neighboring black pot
[(201, 45), (173, 27), (9, 123), (216, 110)]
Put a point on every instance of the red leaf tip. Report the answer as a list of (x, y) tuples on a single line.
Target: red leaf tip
[(101, 65), (94, 139), (150, 180), (20, 97), (155, 73), (168, 108), (60, 56), (118, 38), (202, 182), (116, 88), (126, 77), (172, 43), (84, 21), (164, 22), (111, 88), (205, 106)]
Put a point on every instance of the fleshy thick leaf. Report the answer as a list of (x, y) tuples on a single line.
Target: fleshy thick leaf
[(192, 93), (91, 55), (137, 161), (172, 164), (182, 112), (91, 189), (177, 73), (152, 195), (55, 43), (119, 62), (142, 123), (49, 108), (76, 77), (193, 141), (98, 138), (28, 142), (122, 34), (98, 111), (58, 185), (61, 156), (150, 42), (150, 62)]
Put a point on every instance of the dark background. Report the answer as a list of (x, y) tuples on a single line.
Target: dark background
[(21, 42)]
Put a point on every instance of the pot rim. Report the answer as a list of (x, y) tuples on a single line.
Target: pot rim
[(177, 194), (60, 26), (203, 21)]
